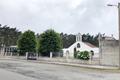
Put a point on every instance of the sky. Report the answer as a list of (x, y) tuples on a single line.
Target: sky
[(67, 16)]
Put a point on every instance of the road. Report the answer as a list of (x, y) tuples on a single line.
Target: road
[(24, 70)]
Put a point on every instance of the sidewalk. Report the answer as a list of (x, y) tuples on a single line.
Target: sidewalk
[(83, 65), (90, 66)]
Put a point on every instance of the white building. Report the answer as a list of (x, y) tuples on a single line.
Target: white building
[(80, 46)]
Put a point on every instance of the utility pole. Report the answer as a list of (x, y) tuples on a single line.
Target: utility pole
[(100, 52), (119, 30)]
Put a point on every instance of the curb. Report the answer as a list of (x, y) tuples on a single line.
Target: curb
[(67, 64), (81, 65)]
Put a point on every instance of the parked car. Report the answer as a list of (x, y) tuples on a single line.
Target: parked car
[(31, 56)]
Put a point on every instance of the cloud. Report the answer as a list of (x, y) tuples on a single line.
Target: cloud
[(68, 16)]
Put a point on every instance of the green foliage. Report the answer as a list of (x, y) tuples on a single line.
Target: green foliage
[(27, 42), (69, 39), (8, 36), (90, 38), (49, 41), (84, 55), (76, 53)]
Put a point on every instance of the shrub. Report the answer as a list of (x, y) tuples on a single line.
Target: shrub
[(84, 55)]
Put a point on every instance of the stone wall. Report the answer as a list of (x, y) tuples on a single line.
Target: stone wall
[(109, 52)]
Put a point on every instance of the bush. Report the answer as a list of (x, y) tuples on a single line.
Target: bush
[(83, 55)]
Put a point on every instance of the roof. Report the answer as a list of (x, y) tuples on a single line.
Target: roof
[(90, 45)]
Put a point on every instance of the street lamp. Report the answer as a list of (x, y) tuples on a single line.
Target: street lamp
[(112, 5), (118, 6)]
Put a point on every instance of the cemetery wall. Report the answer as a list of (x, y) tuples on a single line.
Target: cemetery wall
[(109, 52)]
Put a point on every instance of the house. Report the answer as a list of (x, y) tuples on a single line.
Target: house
[(8, 50), (80, 46)]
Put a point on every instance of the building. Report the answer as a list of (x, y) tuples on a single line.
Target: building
[(80, 46), (8, 51)]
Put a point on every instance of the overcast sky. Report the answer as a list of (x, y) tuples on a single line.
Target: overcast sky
[(68, 16)]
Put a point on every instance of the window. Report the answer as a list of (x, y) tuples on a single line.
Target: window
[(78, 45)]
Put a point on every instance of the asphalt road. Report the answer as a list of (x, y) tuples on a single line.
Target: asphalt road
[(24, 70)]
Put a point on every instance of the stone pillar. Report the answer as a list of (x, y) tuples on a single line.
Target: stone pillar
[(11, 54), (90, 54), (3, 51), (67, 55), (26, 55), (51, 54)]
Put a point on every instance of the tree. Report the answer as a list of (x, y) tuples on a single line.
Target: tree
[(67, 40), (90, 38), (49, 41), (27, 42), (8, 36)]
